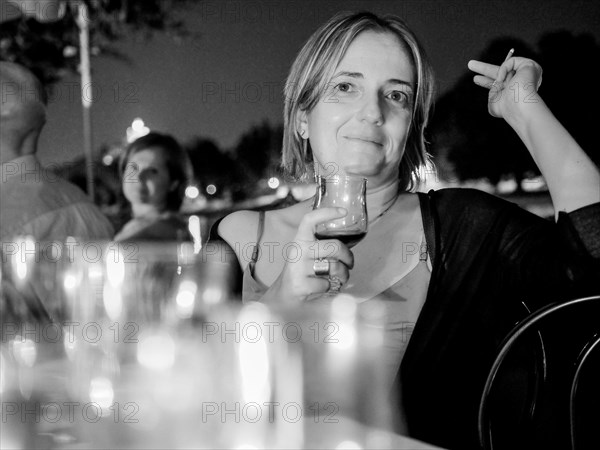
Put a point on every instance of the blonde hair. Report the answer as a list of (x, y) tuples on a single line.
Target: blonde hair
[(315, 65)]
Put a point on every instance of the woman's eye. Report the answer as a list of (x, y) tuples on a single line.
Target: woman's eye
[(398, 96), (343, 87)]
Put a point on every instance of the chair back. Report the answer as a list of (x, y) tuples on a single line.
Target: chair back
[(567, 365)]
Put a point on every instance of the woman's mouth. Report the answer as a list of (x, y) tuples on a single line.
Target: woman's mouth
[(366, 139)]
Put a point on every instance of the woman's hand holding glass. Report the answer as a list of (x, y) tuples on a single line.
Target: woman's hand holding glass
[(317, 260), (348, 192)]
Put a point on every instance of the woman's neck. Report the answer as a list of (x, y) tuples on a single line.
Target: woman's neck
[(381, 198), (145, 211)]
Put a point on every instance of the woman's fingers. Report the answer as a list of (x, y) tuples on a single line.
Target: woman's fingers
[(306, 229), (333, 249), (485, 69), (482, 81)]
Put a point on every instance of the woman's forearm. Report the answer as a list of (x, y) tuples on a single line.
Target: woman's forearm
[(572, 178)]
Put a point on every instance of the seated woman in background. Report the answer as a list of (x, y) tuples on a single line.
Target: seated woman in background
[(155, 172), (357, 100)]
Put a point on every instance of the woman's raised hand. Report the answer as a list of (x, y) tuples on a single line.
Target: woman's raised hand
[(298, 279), (512, 85)]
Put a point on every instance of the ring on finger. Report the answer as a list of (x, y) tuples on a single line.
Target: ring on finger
[(321, 267), (335, 283)]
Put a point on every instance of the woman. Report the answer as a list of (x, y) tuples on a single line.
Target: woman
[(155, 171), (457, 262)]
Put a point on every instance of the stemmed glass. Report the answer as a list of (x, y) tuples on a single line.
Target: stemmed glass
[(348, 192)]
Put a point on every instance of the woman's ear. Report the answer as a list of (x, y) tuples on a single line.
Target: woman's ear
[(302, 124)]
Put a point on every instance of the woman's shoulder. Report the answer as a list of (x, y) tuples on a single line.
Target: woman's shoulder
[(239, 226), (244, 226), (473, 211), (466, 200)]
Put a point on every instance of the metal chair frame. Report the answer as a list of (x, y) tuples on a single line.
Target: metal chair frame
[(485, 436)]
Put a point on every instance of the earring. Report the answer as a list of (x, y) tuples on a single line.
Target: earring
[(302, 133)]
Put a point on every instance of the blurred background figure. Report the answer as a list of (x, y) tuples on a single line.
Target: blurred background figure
[(155, 171), (34, 201)]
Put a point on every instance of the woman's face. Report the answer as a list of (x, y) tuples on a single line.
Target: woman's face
[(360, 125), (146, 179)]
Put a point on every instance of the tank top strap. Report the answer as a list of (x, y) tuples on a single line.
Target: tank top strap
[(259, 233), (423, 249)]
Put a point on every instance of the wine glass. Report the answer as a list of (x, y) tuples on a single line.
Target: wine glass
[(348, 192)]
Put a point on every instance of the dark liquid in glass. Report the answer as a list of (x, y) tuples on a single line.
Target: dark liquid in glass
[(350, 238)]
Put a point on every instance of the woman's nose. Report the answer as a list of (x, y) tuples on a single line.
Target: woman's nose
[(371, 110)]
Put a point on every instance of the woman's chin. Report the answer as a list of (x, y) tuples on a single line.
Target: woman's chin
[(363, 170)]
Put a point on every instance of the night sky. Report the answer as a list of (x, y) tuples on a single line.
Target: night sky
[(230, 78)]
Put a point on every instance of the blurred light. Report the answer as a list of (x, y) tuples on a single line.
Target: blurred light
[(137, 130), (3, 374), (186, 298), (192, 192), (69, 343), (95, 273), (534, 184), (26, 251), (282, 191), (137, 125), (195, 231), (211, 189), (273, 182), (212, 295), (24, 351), (69, 51), (20, 267), (113, 301), (348, 445), (70, 282), (345, 336), (254, 357), (343, 312), (156, 351), (115, 267), (107, 160), (507, 185), (101, 392)]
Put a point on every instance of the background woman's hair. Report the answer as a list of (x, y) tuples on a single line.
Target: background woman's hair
[(176, 159), (313, 69)]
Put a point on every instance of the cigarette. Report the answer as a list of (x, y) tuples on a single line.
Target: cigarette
[(510, 53)]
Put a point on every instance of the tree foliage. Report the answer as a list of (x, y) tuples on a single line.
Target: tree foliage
[(51, 49), (476, 145), (259, 150), (213, 166)]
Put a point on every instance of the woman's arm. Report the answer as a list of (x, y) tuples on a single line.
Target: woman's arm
[(295, 280), (573, 179)]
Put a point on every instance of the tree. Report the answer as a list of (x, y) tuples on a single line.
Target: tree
[(464, 135), (571, 67), (51, 49), (477, 145), (214, 166), (259, 150)]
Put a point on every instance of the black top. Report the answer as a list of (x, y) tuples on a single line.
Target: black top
[(488, 255)]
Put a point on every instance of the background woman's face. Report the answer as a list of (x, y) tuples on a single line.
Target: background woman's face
[(361, 123), (146, 179)]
